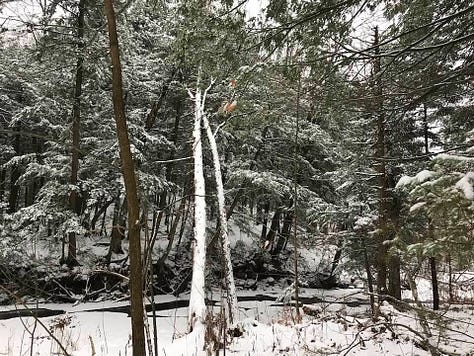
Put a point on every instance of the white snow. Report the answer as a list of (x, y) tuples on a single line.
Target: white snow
[(417, 206), (268, 329), (197, 306), (224, 231), (466, 185), (421, 177)]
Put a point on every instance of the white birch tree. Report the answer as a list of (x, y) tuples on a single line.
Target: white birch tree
[(197, 305), (229, 273)]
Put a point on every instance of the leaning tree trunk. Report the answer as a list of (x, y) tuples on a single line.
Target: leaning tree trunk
[(128, 170), (197, 306), (74, 205), (229, 273)]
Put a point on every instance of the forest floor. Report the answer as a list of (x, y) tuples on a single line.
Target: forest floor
[(335, 322)]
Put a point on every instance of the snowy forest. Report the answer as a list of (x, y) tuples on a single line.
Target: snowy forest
[(236, 177)]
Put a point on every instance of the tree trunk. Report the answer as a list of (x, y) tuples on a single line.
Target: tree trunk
[(285, 232), (450, 280), (183, 222), (14, 175), (370, 284), (229, 273), (128, 170), (274, 228), (197, 306), (382, 184), (71, 259), (434, 283), (337, 257), (394, 282), (118, 229), (263, 235), (98, 214), (2, 184), (434, 272), (172, 233)]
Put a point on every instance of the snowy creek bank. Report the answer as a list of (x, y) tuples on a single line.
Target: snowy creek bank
[(336, 321), (309, 296)]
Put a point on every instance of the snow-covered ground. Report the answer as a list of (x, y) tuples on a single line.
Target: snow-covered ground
[(336, 324)]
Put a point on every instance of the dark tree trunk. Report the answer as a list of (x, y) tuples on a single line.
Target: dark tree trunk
[(2, 184), (434, 272), (274, 227), (285, 232), (14, 175), (337, 257), (183, 223), (98, 213), (118, 229), (382, 183), (128, 170), (155, 108), (434, 282), (74, 202), (394, 282), (370, 284), (172, 232), (162, 198), (263, 235), (450, 280)]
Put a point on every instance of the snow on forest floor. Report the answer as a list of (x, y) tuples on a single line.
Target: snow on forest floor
[(338, 324)]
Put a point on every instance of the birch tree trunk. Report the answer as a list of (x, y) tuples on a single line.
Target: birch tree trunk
[(229, 272), (197, 305), (128, 170)]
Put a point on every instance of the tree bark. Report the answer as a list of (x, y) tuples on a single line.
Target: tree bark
[(2, 184), (263, 234), (197, 306), (118, 229), (71, 259), (98, 214), (285, 231), (14, 175), (394, 281), (172, 233), (382, 184), (229, 272), (433, 269), (370, 284), (434, 283), (128, 170), (274, 227)]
